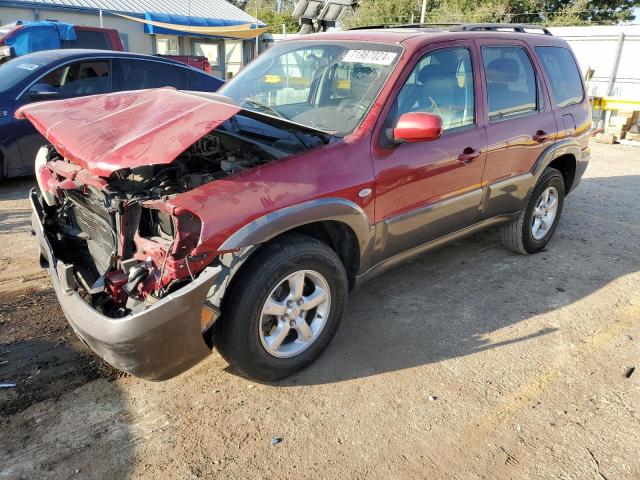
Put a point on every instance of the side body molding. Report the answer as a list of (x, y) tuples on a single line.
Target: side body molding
[(273, 224)]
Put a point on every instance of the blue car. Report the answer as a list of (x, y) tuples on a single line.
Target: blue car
[(58, 74)]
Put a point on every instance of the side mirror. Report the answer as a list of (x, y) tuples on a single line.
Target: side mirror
[(7, 52), (417, 127), (42, 91)]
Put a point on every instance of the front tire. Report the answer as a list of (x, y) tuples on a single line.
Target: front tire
[(283, 308), (537, 222)]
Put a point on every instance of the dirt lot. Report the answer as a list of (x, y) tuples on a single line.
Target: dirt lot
[(468, 362)]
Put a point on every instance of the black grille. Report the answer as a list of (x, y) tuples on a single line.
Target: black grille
[(92, 219)]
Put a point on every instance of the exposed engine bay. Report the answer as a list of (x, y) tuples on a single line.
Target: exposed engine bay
[(125, 247)]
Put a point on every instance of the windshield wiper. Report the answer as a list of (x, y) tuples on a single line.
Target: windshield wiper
[(266, 108)]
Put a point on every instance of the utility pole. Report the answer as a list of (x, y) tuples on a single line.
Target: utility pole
[(424, 10)]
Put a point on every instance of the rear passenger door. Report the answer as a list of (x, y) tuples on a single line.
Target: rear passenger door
[(520, 123), (139, 74)]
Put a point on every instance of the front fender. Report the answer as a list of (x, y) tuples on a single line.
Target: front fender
[(275, 223)]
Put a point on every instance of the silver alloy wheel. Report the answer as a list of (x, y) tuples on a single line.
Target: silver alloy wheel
[(544, 213), (294, 313)]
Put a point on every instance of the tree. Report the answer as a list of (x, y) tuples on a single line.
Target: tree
[(553, 12), (274, 13)]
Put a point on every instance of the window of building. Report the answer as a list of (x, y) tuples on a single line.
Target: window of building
[(167, 45), (563, 74), (211, 50), (511, 82)]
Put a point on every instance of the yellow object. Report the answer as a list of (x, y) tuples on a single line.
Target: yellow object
[(615, 103)]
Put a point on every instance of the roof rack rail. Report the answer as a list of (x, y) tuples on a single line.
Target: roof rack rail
[(406, 25), (499, 27)]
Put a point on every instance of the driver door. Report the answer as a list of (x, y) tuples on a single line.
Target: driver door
[(89, 77), (427, 190)]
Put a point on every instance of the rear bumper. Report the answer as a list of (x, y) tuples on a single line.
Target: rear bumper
[(156, 344)]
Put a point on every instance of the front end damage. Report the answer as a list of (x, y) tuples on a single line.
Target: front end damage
[(128, 265)]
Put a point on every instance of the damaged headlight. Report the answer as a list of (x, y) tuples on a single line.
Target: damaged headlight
[(41, 162), (156, 223)]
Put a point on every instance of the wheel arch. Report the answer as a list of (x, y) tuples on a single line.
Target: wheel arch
[(339, 223), (563, 156), (566, 165)]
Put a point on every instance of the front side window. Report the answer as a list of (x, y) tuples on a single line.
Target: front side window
[(511, 82), (143, 74), (441, 83), (79, 79), (325, 85), (562, 71)]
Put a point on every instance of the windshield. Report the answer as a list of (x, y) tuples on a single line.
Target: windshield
[(324, 85), (16, 70)]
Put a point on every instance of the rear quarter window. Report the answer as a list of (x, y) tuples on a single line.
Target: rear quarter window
[(563, 75), (89, 39), (136, 74)]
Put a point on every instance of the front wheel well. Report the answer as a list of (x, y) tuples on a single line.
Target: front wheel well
[(566, 165), (341, 239)]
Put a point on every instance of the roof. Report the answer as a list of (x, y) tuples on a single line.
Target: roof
[(193, 8), (72, 53), (420, 35)]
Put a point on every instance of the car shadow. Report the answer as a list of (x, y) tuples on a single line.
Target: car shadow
[(16, 188), (446, 303)]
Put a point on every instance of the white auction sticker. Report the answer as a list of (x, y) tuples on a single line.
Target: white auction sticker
[(376, 57), (28, 66)]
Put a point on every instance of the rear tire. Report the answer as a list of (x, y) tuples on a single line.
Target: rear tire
[(267, 346), (537, 222)]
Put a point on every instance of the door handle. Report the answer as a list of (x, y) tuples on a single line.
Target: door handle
[(541, 136), (468, 155)]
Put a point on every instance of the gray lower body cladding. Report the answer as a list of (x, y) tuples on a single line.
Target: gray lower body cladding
[(158, 343)]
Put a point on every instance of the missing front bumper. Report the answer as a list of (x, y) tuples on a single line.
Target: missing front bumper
[(156, 344)]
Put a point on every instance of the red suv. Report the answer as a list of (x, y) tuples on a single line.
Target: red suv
[(171, 222)]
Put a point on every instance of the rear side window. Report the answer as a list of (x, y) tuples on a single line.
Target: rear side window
[(141, 74), (563, 74), (89, 39), (511, 82), (203, 82)]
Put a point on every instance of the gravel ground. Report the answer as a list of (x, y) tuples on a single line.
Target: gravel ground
[(468, 362)]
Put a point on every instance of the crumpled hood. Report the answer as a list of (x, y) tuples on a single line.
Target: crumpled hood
[(104, 133)]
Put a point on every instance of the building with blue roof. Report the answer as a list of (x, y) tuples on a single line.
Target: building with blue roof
[(223, 33)]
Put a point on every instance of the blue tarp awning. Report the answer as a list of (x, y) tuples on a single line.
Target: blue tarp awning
[(187, 22), (38, 36)]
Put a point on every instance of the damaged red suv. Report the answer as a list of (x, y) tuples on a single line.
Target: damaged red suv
[(173, 222)]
